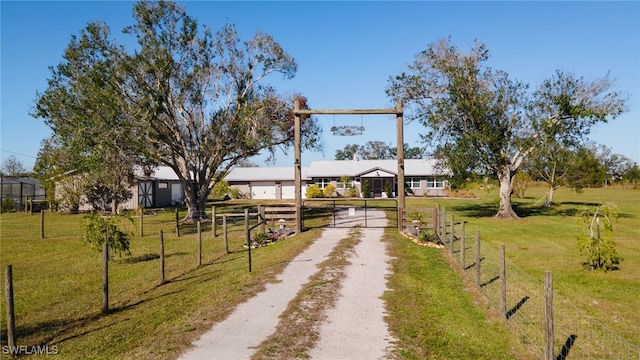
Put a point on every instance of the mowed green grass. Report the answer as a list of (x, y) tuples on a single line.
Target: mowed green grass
[(544, 239), (58, 284)]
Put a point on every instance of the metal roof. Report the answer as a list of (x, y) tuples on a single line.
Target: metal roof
[(336, 168), (263, 174)]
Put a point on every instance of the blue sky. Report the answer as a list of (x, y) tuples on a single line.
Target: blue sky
[(346, 52)]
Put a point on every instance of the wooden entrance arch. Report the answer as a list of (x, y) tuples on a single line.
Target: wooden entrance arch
[(299, 113)]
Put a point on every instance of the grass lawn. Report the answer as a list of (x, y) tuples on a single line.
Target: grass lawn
[(58, 280), (544, 239)]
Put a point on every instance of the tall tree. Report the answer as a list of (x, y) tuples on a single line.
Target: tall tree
[(373, 150), (84, 107), (481, 120), (193, 100), (348, 152)]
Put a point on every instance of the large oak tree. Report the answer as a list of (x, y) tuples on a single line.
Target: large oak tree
[(188, 98), (481, 120)]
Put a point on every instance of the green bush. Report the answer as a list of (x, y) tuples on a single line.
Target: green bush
[(8, 205), (99, 229), (598, 247), (353, 192), (364, 189), (428, 235), (329, 191), (313, 191), (388, 189)]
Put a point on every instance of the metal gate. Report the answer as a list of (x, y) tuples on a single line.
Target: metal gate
[(348, 213)]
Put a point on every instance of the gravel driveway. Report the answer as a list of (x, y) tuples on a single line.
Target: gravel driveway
[(354, 328)]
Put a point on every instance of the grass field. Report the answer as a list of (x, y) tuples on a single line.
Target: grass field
[(58, 285), (544, 239)]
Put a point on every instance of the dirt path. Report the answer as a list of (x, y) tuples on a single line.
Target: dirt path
[(354, 329)]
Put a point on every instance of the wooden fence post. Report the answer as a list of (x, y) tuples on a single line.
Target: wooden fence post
[(400, 219), (478, 258), (177, 222), (462, 248), (213, 221), (453, 235), (548, 315), (261, 211), (161, 257), (247, 234), (199, 244), (224, 233), (443, 221), (141, 222), (42, 224), (503, 283), (105, 276), (435, 220), (11, 316)]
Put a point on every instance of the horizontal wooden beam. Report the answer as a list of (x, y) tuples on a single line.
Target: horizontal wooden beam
[(349, 112)]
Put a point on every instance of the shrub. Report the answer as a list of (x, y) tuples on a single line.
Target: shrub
[(428, 235), (99, 229), (313, 191), (329, 190), (353, 192), (8, 205), (262, 238), (388, 189), (598, 247), (364, 189), (521, 182)]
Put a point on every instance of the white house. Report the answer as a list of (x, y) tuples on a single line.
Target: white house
[(422, 178)]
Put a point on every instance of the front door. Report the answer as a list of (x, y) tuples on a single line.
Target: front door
[(377, 187)]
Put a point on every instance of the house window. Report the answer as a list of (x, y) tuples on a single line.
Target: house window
[(322, 182), (435, 183), (413, 182), (163, 185)]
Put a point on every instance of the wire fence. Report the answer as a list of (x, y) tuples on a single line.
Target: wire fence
[(524, 304)]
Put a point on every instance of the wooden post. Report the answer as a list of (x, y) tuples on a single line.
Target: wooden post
[(105, 276), (443, 221), (199, 244), (453, 236), (400, 219), (435, 220), (141, 221), (262, 213), (161, 257), (247, 234), (462, 248), (224, 233), (213, 221), (30, 205), (548, 315), (297, 166), (478, 258), (503, 283), (177, 222), (11, 316), (42, 224), (400, 152)]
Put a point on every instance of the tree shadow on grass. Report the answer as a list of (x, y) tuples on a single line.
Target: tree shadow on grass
[(57, 331)]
